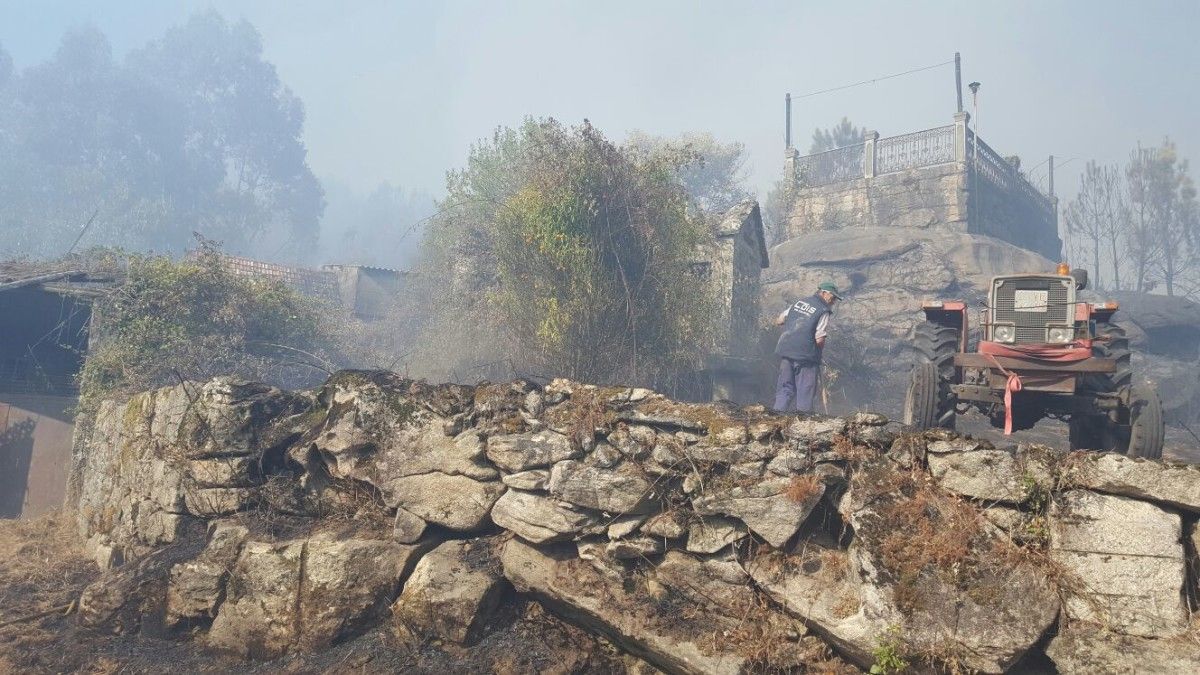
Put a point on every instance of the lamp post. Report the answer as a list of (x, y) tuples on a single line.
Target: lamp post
[(974, 87), (975, 196)]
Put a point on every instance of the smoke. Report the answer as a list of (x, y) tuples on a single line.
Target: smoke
[(383, 228)]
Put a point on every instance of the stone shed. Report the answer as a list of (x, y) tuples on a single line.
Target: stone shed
[(734, 267), (45, 316)]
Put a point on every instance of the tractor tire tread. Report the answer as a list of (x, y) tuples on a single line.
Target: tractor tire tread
[(1146, 426)]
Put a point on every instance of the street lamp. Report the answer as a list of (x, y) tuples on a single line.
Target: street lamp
[(974, 87), (973, 205)]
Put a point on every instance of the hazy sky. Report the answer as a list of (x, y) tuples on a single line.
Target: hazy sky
[(398, 91)]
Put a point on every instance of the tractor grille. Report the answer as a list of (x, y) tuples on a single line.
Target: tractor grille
[(1033, 303)]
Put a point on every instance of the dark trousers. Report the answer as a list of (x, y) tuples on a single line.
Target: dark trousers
[(796, 382)]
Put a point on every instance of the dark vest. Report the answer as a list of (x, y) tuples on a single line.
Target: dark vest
[(799, 342)]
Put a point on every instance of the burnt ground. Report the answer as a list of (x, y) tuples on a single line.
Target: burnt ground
[(1180, 446), (43, 567)]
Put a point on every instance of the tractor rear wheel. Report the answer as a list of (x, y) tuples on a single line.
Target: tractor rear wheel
[(1112, 343), (936, 344), (929, 402), (1146, 428)]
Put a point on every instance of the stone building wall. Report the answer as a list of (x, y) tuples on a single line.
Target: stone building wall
[(734, 268), (1001, 214)]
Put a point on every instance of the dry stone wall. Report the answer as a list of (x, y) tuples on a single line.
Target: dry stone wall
[(700, 538)]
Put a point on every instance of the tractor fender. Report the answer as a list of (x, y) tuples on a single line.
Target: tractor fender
[(952, 313)]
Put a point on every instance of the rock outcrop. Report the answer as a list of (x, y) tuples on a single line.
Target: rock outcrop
[(697, 537)]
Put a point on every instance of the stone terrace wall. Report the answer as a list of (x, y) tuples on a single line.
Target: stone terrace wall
[(701, 538), (932, 196), (944, 177)]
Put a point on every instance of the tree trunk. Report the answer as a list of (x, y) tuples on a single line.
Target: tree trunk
[(1116, 264)]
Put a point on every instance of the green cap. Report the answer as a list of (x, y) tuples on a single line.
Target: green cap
[(828, 286)]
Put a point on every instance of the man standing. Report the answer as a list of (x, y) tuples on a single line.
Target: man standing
[(806, 324)]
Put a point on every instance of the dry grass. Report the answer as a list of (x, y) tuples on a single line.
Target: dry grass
[(924, 532), (42, 553), (940, 530), (588, 412), (43, 567), (773, 643), (846, 449), (803, 488)]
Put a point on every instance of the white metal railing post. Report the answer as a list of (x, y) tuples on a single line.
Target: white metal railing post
[(869, 154), (961, 119)]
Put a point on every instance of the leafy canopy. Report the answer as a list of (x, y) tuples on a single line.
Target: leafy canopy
[(194, 132), (842, 134), (568, 255)]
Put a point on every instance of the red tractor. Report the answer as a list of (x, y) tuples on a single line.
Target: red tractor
[(1038, 352)]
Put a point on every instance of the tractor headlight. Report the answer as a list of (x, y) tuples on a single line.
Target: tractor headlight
[(1004, 333), (1060, 335)]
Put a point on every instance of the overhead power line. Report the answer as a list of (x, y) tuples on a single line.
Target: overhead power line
[(874, 80)]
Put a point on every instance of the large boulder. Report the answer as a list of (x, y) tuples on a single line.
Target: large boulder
[(709, 535), (1124, 563), (308, 594), (886, 272), (129, 599), (456, 502), (773, 508), (197, 586), (452, 592), (349, 584), (977, 470), (540, 519), (930, 568), (1172, 485), (620, 490), (521, 452), (257, 619), (1084, 650), (892, 266), (817, 587), (647, 615)]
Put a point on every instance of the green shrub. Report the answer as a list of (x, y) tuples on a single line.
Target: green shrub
[(193, 319), (563, 254)]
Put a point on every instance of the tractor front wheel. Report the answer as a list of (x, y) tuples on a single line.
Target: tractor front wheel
[(1146, 427), (925, 404)]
